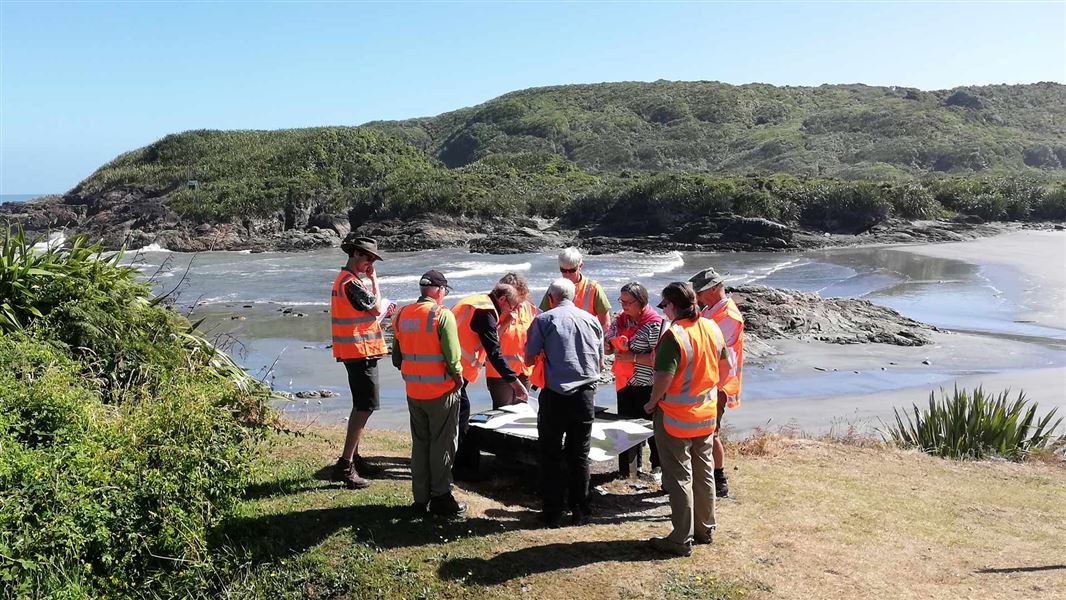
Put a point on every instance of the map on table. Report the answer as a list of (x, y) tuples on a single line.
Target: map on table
[(609, 438)]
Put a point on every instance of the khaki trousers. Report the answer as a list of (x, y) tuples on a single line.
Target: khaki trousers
[(688, 476), (434, 439)]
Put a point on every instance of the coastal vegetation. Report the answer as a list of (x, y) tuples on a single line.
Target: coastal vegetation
[(827, 158), (124, 436), (975, 424)]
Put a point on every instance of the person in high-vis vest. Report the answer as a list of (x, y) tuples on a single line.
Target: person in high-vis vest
[(426, 351), (358, 342), (588, 293), (683, 403), (512, 327), (477, 318), (717, 306)]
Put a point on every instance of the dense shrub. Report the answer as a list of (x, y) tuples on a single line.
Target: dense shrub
[(843, 207), (975, 424), (1052, 204), (912, 201), (124, 437)]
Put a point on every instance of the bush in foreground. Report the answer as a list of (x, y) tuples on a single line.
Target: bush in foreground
[(975, 425), (124, 436)]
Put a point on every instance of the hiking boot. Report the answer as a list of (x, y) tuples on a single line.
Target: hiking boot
[(446, 506), (665, 546), (365, 468), (704, 539), (344, 472), (420, 509), (721, 486)]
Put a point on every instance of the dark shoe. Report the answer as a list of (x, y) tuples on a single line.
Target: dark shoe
[(446, 506), (580, 516), (667, 547), (708, 539), (340, 470), (420, 508), (365, 468), (551, 520), (721, 486), (344, 472)]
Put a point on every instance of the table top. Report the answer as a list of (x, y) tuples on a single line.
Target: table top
[(611, 434)]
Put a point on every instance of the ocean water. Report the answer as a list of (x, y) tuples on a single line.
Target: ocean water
[(242, 297), (19, 197)]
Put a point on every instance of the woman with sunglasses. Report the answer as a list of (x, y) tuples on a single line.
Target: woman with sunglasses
[(632, 338), (684, 402)]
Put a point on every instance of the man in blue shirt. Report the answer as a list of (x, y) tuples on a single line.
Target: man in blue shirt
[(571, 341)]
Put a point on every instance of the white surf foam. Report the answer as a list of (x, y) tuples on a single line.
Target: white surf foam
[(54, 240), (153, 247)]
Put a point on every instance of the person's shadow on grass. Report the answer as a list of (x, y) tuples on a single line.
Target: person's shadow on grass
[(269, 537), (542, 559)]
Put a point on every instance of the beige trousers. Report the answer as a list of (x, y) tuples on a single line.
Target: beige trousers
[(688, 476), (434, 439)]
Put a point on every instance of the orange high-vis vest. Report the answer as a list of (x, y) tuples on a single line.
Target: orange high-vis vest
[(425, 374), (690, 406), (356, 333), (513, 341), (472, 354), (731, 381), (585, 294)]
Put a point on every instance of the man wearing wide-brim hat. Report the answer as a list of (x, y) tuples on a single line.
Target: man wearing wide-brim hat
[(717, 306), (358, 342)]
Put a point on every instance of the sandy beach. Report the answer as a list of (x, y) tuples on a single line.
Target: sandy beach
[(1025, 269)]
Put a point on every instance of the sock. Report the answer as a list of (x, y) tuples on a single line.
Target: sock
[(719, 473)]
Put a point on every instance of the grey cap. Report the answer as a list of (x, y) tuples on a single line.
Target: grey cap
[(705, 280)]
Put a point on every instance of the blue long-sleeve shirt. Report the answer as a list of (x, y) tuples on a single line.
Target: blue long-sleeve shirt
[(571, 340)]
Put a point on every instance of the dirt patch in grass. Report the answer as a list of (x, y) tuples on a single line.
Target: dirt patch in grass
[(810, 519)]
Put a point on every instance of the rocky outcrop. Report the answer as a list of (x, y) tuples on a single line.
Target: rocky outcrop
[(134, 219), (771, 313)]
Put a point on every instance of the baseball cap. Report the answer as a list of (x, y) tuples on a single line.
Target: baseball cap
[(433, 278), (705, 280)]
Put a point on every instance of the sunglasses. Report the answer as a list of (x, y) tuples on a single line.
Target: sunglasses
[(562, 270), (663, 304)]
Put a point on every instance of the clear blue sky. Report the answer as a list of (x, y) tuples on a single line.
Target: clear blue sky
[(82, 82)]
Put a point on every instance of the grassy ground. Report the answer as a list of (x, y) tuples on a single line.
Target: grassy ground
[(811, 519)]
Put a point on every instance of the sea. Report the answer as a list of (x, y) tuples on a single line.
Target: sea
[(270, 311)]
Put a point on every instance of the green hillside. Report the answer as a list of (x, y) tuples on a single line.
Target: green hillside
[(848, 131), (788, 153)]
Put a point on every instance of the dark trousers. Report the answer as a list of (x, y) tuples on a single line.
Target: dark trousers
[(468, 456), (631, 401), (564, 426)]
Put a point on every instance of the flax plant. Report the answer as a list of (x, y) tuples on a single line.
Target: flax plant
[(975, 425)]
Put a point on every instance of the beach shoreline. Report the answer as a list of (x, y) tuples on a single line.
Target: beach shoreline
[(817, 386)]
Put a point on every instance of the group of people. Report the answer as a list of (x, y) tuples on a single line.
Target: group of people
[(682, 371)]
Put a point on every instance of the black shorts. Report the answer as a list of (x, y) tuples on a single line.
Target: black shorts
[(363, 381)]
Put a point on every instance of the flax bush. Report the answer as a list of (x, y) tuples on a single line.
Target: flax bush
[(975, 424)]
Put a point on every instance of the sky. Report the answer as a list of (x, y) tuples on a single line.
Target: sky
[(82, 82)]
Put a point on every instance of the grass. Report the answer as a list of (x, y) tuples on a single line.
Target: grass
[(812, 518)]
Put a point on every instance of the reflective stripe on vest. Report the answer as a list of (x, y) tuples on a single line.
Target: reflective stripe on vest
[(690, 404), (472, 352), (423, 369), (356, 333)]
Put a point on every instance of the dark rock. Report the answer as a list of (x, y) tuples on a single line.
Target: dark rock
[(307, 394), (771, 313)]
